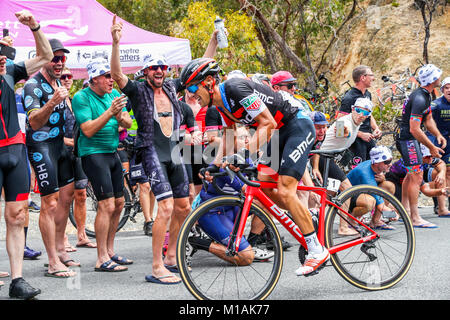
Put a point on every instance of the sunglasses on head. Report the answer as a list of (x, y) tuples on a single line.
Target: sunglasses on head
[(162, 67), (288, 85), (57, 59), (362, 111), (66, 76)]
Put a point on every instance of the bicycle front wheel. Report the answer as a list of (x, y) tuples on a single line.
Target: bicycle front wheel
[(379, 263), (208, 272)]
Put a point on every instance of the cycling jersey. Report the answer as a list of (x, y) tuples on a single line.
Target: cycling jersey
[(417, 107), (440, 109), (246, 99), (36, 93), (10, 130)]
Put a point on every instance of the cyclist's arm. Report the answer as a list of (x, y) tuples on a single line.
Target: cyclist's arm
[(264, 130)]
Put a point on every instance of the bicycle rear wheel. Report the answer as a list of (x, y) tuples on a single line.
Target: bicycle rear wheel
[(207, 276), (91, 211), (380, 263)]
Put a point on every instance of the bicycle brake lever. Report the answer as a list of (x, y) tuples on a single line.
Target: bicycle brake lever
[(230, 173)]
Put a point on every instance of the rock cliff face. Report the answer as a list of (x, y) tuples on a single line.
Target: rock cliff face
[(388, 36)]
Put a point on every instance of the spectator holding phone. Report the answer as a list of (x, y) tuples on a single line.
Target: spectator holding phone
[(14, 174)]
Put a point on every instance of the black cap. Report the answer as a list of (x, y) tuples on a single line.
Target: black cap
[(57, 45)]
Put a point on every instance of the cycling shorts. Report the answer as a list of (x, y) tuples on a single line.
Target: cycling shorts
[(137, 173), (52, 164), (295, 141), (104, 171), (218, 224), (167, 179), (411, 154), (14, 174)]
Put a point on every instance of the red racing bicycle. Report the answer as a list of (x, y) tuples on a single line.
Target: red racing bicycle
[(371, 259)]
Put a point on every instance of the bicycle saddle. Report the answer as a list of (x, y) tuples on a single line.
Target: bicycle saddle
[(328, 153)]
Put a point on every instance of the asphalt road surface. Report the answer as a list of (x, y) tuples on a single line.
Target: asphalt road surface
[(427, 279)]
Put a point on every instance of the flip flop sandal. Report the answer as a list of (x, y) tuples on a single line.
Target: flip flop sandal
[(86, 245), (55, 274), (66, 263), (121, 260), (109, 266), (157, 280), (4, 274)]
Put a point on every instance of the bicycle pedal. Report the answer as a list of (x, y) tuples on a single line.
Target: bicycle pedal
[(133, 219), (312, 273)]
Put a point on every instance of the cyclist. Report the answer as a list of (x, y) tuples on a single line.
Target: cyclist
[(14, 178), (244, 101), (440, 108), (362, 77), (45, 100), (416, 110)]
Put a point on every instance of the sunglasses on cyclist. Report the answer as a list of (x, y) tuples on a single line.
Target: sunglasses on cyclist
[(193, 88), (66, 76), (362, 111), (162, 67), (288, 85), (57, 59)]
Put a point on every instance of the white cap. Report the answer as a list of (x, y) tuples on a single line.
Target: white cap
[(425, 151), (444, 82), (236, 74), (97, 68), (364, 103), (379, 154), (154, 60), (428, 74)]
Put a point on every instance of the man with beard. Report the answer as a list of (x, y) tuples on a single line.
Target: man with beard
[(14, 176), (158, 114), (45, 101)]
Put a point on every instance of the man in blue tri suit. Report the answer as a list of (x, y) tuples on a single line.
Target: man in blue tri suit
[(246, 102), (440, 109), (45, 101), (14, 175)]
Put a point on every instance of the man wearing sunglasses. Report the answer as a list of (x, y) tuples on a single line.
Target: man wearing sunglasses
[(372, 172), (158, 115), (45, 101), (14, 174)]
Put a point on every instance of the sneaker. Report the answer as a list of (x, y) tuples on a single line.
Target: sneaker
[(148, 228), (262, 254), (33, 207), (30, 254), (20, 289), (313, 262)]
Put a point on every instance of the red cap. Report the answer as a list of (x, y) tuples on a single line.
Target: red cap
[(282, 76)]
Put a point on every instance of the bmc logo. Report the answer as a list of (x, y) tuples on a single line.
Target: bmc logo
[(298, 152)]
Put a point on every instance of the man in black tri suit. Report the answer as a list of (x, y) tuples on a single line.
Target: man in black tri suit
[(45, 101), (158, 115), (417, 110), (252, 104), (14, 176)]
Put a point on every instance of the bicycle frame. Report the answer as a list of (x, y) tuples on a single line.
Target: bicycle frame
[(252, 193)]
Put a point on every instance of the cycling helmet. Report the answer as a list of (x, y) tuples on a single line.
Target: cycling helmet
[(197, 70), (236, 74), (259, 78)]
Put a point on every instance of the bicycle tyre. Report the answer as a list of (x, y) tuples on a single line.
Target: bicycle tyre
[(397, 246), (196, 274), (91, 211)]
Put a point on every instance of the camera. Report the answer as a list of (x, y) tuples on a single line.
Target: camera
[(7, 51)]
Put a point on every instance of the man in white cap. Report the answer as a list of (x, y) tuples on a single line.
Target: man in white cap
[(440, 108), (158, 114), (371, 172), (416, 110), (99, 111)]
